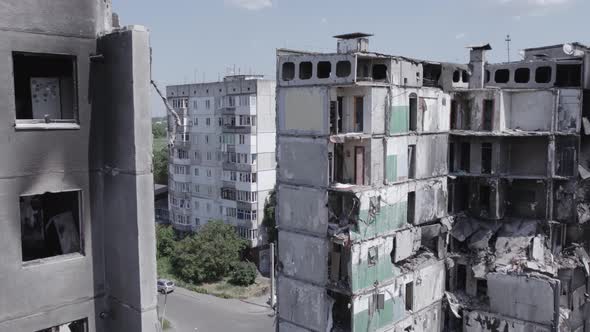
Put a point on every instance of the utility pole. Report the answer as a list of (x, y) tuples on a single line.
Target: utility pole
[(164, 310), (508, 40), (272, 275)]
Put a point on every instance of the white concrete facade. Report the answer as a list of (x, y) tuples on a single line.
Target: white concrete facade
[(222, 166)]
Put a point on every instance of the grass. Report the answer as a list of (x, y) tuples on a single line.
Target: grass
[(222, 288)]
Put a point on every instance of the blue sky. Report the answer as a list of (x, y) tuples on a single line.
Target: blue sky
[(196, 39)]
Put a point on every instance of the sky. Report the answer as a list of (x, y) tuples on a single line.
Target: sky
[(203, 40)]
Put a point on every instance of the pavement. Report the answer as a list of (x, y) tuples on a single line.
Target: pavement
[(194, 312)]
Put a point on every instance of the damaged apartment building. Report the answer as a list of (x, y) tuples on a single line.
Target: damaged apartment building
[(424, 196), (77, 206)]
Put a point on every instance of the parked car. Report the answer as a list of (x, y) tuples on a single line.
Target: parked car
[(165, 286)]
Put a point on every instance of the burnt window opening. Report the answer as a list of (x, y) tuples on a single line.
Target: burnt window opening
[(336, 115), (543, 75), (465, 156), (344, 208), (341, 311), (566, 157), (454, 118), (488, 114), (482, 287), (456, 76), (484, 198), (522, 75), (411, 161), (358, 113), (409, 296), (451, 196), (379, 72), (411, 213), (324, 69), (343, 68), (45, 87), (451, 157), (568, 75), (363, 69), (486, 158), (487, 76), (305, 70), (413, 112), (461, 277), (337, 264), (50, 225), (372, 254), (502, 76), (464, 76), (288, 71), (431, 75), (75, 326)]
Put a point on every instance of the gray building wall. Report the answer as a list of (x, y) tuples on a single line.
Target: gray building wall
[(106, 155)]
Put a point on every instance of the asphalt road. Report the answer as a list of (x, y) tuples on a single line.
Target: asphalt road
[(194, 312)]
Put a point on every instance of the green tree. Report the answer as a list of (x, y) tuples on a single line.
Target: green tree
[(159, 130), (208, 255), (165, 241), (243, 274), (160, 165), (269, 221)]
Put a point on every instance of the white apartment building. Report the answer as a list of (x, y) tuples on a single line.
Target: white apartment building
[(222, 165)]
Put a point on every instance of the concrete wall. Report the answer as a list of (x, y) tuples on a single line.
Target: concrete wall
[(533, 299), (303, 257), (303, 209), (309, 171), (49, 292), (303, 303), (304, 110)]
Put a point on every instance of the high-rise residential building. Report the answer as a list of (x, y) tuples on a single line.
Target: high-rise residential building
[(77, 206), (425, 196), (222, 165)]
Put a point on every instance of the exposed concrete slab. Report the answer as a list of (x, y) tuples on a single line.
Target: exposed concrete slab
[(303, 209), (303, 257), (302, 303)]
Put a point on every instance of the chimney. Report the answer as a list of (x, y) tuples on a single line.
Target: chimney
[(477, 62), (353, 42)]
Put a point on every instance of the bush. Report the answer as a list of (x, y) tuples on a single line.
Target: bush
[(209, 255), (160, 165), (165, 240), (243, 274)]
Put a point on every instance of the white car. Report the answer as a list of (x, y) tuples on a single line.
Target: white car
[(165, 286)]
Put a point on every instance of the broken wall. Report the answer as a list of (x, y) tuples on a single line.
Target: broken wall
[(481, 321), (372, 263), (382, 211), (529, 110), (431, 200)]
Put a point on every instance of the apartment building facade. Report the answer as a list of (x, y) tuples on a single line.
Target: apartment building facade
[(423, 196), (222, 165), (76, 141)]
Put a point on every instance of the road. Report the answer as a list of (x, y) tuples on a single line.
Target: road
[(194, 312)]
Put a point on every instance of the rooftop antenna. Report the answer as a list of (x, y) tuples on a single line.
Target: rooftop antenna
[(508, 40)]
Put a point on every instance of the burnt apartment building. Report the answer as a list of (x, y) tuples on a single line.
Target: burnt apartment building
[(77, 202), (424, 196)]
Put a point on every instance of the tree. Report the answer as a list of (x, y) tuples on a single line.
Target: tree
[(208, 255), (269, 221), (243, 274), (159, 130), (160, 165), (165, 240)]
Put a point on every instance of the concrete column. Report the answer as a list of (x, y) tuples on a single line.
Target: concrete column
[(126, 169), (477, 61)]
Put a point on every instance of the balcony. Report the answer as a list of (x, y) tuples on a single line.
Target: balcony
[(247, 205), (229, 184), (236, 129), (239, 167), (183, 227)]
